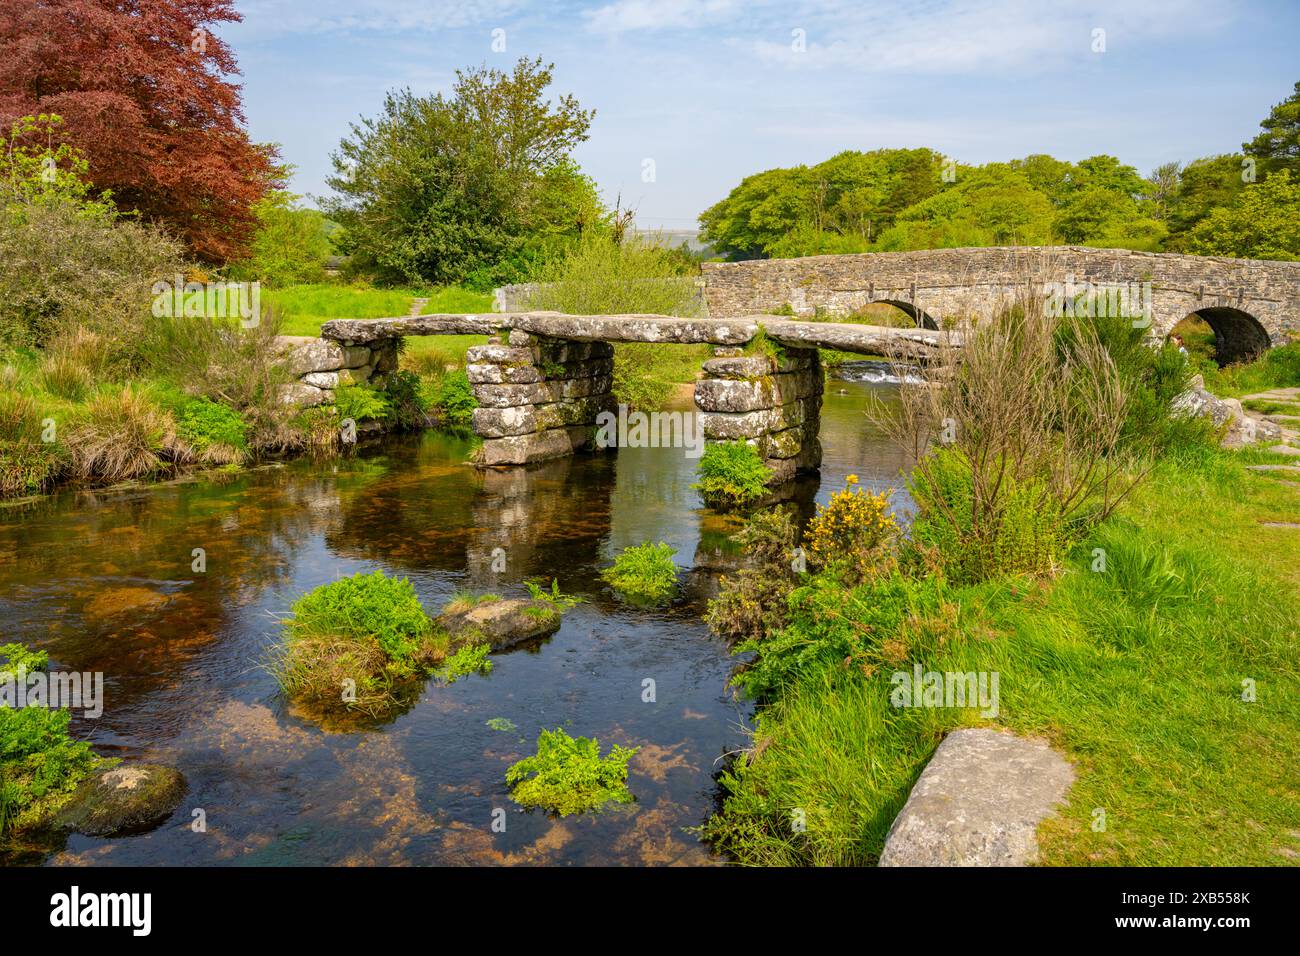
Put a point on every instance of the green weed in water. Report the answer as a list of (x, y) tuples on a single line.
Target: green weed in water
[(568, 775)]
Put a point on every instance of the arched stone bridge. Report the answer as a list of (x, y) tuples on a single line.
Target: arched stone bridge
[(544, 377), (1251, 304)]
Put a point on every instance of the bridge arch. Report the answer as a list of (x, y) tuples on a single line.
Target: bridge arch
[(1238, 335), (921, 318)]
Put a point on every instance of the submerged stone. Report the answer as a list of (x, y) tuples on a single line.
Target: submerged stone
[(123, 800)]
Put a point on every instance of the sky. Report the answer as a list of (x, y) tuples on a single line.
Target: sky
[(693, 95)]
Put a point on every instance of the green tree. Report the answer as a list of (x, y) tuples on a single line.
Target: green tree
[(291, 243), (1203, 186), (1278, 146), (988, 205), (448, 188), (1263, 223)]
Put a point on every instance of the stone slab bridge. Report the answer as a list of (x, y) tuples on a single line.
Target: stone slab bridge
[(544, 377)]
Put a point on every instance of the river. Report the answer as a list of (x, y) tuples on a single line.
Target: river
[(103, 581)]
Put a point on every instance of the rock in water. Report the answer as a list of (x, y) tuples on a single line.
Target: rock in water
[(504, 623), (124, 800), (979, 802)]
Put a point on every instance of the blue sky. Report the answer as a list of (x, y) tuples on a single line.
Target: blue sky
[(713, 90)]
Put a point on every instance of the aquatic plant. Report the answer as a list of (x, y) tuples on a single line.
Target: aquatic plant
[(560, 601), (568, 775), (643, 572), (469, 659), (502, 724), (731, 475), (355, 644)]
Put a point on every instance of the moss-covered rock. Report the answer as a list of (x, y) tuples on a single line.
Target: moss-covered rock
[(123, 800), (504, 623)]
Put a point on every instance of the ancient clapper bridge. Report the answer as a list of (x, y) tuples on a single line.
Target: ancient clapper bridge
[(543, 377)]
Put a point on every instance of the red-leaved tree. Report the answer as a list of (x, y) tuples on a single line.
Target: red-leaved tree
[(144, 90)]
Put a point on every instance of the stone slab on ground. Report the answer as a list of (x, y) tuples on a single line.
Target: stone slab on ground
[(979, 802)]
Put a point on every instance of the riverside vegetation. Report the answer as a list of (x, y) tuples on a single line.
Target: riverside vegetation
[(1061, 541)]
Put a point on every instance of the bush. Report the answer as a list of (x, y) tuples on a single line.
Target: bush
[(852, 532), (644, 573), (291, 244), (360, 403), (368, 634), (1029, 535), (407, 404), (215, 433), (568, 775), (453, 399), (731, 475), (753, 602)]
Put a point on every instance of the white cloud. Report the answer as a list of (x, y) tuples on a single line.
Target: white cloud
[(950, 37), (625, 16)]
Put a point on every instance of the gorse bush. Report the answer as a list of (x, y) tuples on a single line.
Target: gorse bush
[(568, 775), (644, 572), (852, 532), (731, 475)]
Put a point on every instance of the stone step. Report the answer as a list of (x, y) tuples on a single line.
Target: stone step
[(1285, 450), (1273, 469)]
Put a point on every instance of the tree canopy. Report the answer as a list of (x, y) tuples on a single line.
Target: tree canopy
[(463, 187), (146, 96)]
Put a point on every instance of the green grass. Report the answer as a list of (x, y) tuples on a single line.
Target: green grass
[(1135, 674)]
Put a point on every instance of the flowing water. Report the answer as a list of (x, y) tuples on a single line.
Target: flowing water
[(103, 581)]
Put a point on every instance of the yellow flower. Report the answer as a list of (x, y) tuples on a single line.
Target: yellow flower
[(851, 480)]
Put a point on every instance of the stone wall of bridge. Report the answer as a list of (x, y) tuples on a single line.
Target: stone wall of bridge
[(951, 285)]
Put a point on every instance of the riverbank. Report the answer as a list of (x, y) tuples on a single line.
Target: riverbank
[(1168, 680)]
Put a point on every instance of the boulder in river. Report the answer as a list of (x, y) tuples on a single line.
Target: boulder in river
[(504, 623), (123, 800)]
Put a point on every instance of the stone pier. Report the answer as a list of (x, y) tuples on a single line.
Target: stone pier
[(770, 401), (538, 397)]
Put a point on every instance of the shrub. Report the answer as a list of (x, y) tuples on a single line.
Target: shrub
[(453, 398), (407, 404), (731, 475), (568, 775), (469, 659), (360, 403), (120, 435), (215, 433), (367, 633), (644, 573), (753, 602), (1029, 534), (40, 764), (852, 532)]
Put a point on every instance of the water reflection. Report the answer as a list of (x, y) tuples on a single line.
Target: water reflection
[(104, 581)]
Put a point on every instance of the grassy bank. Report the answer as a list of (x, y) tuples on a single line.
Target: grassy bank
[(1135, 673)]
